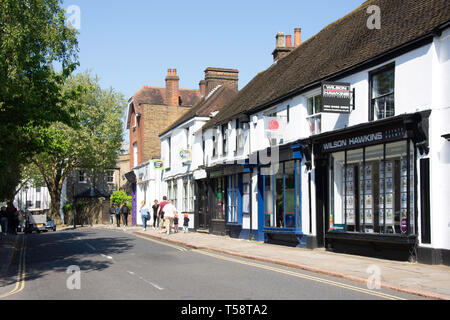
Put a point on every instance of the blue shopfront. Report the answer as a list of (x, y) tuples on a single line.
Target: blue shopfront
[(280, 199)]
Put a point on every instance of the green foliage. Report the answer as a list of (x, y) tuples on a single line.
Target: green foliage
[(33, 41), (92, 143), (120, 197)]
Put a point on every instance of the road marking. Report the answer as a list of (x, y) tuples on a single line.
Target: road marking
[(107, 257), (145, 280), (303, 276), (164, 243), (20, 282), (90, 246)]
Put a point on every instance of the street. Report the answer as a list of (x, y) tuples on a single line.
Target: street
[(120, 266)]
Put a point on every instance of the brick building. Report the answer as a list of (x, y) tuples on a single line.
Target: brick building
[(153, 109)]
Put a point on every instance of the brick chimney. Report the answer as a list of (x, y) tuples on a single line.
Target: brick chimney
[(297, 37), (283, 46), (202, 86), (221, 76), (172, 88)]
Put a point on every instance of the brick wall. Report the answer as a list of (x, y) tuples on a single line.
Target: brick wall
[(157, 118)]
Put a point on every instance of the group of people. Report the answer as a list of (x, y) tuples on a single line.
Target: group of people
[(9, 219), (165, 215), (119, 211)]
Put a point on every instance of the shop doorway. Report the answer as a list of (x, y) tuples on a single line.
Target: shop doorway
[(203, 210)]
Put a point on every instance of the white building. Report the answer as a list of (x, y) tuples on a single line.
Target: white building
[(371, 180)]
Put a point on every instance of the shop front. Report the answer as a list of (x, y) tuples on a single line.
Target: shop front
[(366, 184), (280, 199)]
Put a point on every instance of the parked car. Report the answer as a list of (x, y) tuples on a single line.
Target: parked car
[(35, 221), (50, 225)]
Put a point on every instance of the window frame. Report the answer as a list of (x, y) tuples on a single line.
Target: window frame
[(373, 73)]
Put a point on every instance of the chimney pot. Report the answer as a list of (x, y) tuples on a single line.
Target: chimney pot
[(297, 37), (280, 39), (288, 40)]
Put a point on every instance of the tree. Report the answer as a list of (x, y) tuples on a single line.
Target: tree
[(120, 197), (93, 144), (34, 40)]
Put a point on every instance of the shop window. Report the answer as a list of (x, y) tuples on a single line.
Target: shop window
[(382, 85), (219, 212), (282, 197), (370, 189), (175, 193), (314, 118), (185, 195), (191, 195), (232, 201)]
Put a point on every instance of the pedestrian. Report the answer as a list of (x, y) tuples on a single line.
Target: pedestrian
[(4, 220), (11, 215), (125, 211), (112, 214), (186, 223), (145, 215), (155, 208), (161, 213), (118, 215), (175, 222), (169, 214)]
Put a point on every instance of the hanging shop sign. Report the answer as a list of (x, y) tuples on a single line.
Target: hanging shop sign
[(158, 164), (364, 139), (336, 97), (274, 126), (185, 155)]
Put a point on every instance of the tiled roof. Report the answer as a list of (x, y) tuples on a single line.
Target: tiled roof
[(157, 96), (215, 101), (342, 45)]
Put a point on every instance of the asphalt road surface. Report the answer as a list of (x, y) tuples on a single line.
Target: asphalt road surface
[(88, 264)]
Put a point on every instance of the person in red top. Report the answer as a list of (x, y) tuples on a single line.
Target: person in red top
[(161, 213)]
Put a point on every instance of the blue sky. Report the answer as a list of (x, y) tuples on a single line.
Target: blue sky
[(132, 43)]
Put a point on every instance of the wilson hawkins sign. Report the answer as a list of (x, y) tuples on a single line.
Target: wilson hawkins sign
[(336, 97), (363, 140)]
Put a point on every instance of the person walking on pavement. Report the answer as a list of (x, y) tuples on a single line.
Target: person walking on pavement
[(118, 215), (4, 220), (161, 213), (112, 214), (175, 222), (186, 223), (145, 215), (169, 214), (125, 211), (155, 215)]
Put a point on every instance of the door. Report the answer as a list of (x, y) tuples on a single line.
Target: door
[(202, 205)]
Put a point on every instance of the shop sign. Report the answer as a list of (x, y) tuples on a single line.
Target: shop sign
[(336, 97), (158, 164), (186, 155), (274, 126), (362, 140)]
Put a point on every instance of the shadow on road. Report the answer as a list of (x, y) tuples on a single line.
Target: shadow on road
[(53, 253)]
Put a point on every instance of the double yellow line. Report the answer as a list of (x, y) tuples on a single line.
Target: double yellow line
[(20, 282), (304, 276)]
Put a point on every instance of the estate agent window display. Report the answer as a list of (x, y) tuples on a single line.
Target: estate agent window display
[(370, 189), (282, 197)]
